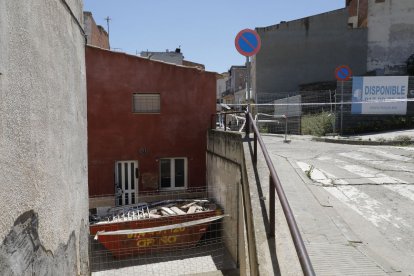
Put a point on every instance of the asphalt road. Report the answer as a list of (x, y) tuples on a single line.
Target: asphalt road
[(364, 210)]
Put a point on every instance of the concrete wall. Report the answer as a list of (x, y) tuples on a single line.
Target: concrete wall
[(43, 154), (187, 98), (390, 35), (225, 174), (306, 51)]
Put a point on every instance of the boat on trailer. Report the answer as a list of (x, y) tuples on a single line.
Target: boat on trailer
[(154, 227)]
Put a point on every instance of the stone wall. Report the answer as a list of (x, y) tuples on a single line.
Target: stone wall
[(43, 154)]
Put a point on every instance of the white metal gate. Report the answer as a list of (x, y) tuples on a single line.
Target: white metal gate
[(126, 182)]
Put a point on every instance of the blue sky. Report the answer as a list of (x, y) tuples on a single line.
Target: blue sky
[(205, 30)]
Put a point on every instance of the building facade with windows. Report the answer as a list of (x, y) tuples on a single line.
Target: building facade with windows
[(147, 125)]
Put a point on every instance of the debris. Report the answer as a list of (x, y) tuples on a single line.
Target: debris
[(168, 210), (192, 209)]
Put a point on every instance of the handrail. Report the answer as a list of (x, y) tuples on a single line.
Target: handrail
[(274, 182)]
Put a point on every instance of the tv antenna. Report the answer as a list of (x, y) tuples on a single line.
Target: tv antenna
[(107, 19)]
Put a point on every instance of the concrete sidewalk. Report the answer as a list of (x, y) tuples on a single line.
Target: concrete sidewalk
[(332, 247), (389, 138)]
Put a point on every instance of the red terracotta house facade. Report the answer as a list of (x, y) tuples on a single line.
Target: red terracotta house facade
[(147, 125)]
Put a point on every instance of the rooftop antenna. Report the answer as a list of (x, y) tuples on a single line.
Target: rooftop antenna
[(107, 19)]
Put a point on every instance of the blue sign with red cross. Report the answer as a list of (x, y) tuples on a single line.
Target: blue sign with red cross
[(248, 42), (343, 73)]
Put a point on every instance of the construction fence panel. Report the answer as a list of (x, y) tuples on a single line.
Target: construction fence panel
[(170, 233)]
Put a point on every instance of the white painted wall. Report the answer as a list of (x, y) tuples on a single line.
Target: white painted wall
[(169, 57), (43, 138), (390, 34)]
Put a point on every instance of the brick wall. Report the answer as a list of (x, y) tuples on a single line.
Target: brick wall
[(358, 8), (96, 34)]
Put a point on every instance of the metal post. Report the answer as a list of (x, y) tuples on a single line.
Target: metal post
[(107, 23), (272, 195), (334, 120), (286, 117), (255, 149), (247, 126), (286, 128), (336, 111), (248, 82), (225, 121), (342, 105)]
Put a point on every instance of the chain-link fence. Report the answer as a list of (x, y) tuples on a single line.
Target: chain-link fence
[(327, 112), (168, 233)]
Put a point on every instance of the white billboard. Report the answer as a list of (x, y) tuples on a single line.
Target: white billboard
[(379, 95)]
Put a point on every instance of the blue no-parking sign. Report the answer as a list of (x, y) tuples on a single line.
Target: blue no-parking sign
[(343, 73), (247, 42)]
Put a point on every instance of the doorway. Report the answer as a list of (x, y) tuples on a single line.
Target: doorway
[(126, 182)]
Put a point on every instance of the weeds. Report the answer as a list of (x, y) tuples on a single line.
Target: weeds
[(317, 124), (404, 140), (309, 172)]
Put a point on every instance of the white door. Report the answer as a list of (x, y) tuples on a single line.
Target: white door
[(126, 182)]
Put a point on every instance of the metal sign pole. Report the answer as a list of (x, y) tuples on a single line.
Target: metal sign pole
[(342, 73), (335, 120), (248, 83), (342, 105)]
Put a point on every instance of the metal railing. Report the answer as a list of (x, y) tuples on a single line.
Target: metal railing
[(224, 118), (274, 184)]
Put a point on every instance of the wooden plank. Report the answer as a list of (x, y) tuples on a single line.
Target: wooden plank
[(188, 205), (154, 215), (192, 209), (164, 213), (177, 210), (168, 210)]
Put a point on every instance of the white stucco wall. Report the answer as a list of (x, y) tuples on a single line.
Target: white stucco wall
[(43, 138), (390, 34)]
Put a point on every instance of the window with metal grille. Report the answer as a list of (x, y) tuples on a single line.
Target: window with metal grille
[(146, 103)]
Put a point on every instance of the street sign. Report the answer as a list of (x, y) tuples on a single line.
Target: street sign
[(247, 42), (343, 73)]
